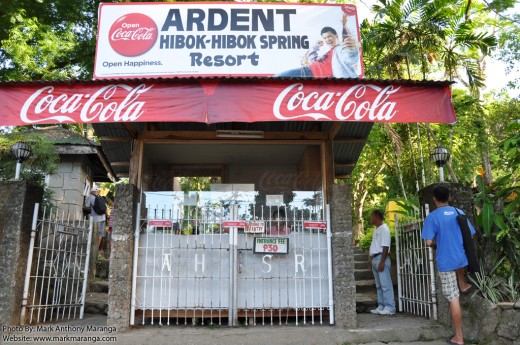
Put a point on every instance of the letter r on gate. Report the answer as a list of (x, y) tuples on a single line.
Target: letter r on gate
[(299, 260)]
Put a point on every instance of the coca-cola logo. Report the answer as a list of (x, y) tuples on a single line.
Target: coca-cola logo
[(361, 102), (113, 103), (133, 34)]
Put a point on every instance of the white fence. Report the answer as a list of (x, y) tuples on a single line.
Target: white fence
[(217, 270), (57, 267), (415, 271)]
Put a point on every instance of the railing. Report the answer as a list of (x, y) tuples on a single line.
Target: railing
[(57, 267), (228, 266), (415, 270)]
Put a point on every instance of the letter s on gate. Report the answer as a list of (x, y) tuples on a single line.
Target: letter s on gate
[(268, 256)]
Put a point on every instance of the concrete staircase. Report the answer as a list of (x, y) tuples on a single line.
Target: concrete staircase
[(96, 300), (366, 297)]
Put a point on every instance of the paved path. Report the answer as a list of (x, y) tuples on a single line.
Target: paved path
[(372, 329)]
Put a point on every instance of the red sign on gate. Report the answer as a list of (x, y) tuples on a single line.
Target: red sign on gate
[(237, 224), (315, 225), (157, 222)]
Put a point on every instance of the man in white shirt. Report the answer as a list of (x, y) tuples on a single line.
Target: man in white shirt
[(380, 262), (98, 219)]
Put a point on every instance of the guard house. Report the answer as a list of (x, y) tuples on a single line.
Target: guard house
[(268, 238)]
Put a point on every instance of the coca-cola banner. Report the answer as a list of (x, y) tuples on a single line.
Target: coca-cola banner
[(138, 40), (225, 100)]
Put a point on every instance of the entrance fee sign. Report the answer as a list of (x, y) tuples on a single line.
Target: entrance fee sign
[(271, 245), (137, 40), (225, 100)]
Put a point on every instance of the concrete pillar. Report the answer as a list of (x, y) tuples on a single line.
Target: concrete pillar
[(16, 210), (121, 257), (462, 198), (343, 257)]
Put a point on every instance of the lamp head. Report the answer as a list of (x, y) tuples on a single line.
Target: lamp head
[(440, 155), (21, 150)]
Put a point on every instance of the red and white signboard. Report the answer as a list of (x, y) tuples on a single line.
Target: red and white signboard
[(234, 224), (255, 227), (137, 40), (160, 222), (315, 225), (208, 101)]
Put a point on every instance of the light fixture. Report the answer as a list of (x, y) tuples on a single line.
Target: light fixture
[(21, 151), (440, 156), (240, 134)]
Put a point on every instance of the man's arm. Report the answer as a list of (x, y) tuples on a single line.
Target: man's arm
[(381, 266)]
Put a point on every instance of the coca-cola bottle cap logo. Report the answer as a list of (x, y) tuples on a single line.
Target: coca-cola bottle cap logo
[(133, 34)]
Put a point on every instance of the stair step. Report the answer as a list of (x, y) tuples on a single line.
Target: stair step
[(365, 285), (100, 286), (360, 257), (363, 274), (96, 303), (358, 250), (358, 265)]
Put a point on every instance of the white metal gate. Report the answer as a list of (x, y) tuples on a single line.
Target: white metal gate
[(209, 272), (415, 270), (57, 267)]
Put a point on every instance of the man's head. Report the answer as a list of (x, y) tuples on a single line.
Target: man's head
[(330, 36), (441, 194), (94, 190), (377, 217)]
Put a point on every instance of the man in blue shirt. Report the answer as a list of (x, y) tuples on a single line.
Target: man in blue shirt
[(441, 225)]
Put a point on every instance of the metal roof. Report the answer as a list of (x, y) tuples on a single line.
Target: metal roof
[(234, 78)]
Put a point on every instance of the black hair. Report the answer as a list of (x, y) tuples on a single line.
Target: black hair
[(379, 214), (328, 29), (441, 193), (280, 213)]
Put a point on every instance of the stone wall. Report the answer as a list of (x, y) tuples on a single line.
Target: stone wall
[(67, 184), (488, 324), (460, 196), (17, 208), (343, 257), (121, 257)]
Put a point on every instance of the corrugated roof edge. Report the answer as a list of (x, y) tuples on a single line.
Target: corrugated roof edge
[(180, 79)]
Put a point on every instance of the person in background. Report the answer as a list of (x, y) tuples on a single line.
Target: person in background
[(380, 264), (278, 224), (441, 225), (99, 219)]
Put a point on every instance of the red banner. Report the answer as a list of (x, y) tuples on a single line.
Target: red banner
[(225, 100)]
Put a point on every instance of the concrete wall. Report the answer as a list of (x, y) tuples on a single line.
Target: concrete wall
[(121, 257), (343, 257), (67, 184), (16, 210)]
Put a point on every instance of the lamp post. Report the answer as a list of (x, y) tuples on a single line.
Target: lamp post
[(440, 156), (21, 151)]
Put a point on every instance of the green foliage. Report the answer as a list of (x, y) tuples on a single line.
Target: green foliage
[(43, 160), (495, 288), (499, 218)]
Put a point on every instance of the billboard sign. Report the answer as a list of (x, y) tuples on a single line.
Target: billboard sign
[(148, 40)]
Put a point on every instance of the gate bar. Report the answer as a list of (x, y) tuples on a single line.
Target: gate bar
[(329, 261), (29, 265), (87, 264), (398, 257), (134, 268)]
